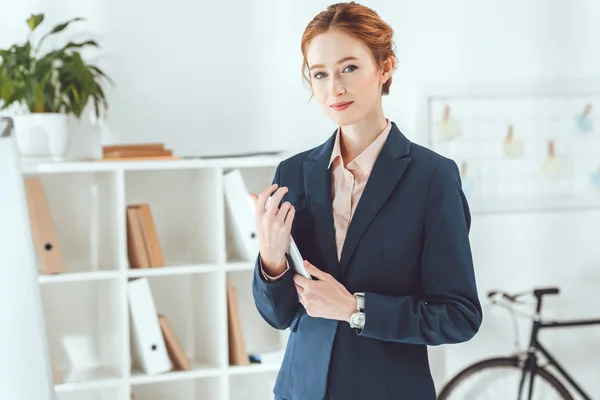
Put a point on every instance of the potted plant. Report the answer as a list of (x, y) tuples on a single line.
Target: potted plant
[(49, 87)]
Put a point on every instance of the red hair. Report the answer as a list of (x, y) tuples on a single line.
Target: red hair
[(361, 23)]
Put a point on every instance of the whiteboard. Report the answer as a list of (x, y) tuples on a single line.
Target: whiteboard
[(23, 345), (521, 152)]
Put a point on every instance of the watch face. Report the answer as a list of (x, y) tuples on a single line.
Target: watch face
[(358, 319)]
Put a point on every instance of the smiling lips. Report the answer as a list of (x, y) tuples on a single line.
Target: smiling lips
[(341, 106)]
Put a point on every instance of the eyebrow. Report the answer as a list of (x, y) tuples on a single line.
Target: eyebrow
[(339, 62)]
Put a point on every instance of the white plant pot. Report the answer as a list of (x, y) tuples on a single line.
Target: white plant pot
[(42, 135)]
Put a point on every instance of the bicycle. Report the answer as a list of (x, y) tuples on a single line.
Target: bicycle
[(523, 368)]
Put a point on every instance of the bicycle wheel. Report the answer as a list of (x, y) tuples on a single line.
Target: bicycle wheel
[(498, 378)]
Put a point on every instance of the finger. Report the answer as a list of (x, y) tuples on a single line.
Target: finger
[(299, 289), (253, 199), (262, 198), (301, 281), (316, 272), (283, 210), (275, 200), (289, 219)]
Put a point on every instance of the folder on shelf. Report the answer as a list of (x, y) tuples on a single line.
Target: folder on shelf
[(175, 350), (240, 208), (149, 348), (45, 238), (142, 238), (238, 355)]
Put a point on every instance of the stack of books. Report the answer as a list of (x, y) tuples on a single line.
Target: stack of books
[(137, 152)]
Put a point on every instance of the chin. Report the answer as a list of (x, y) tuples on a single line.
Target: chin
[(343, 119)]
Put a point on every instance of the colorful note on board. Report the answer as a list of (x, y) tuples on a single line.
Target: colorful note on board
[(512, 146), (595, 177), (583, 121), (552, 165), (448, 126)]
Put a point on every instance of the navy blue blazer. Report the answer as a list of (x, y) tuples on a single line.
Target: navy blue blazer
[(407, 249)]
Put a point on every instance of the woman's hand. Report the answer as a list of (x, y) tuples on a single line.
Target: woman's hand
[(274, 227), (325, 297)]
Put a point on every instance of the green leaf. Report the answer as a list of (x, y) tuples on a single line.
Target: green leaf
[(63, 26), (58, 28), (58, 81), (35, 20)]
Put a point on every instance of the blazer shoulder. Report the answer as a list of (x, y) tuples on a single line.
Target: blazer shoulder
[(296, 161), (430, 161)]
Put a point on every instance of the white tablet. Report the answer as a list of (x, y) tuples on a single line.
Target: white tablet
[(297, 260)]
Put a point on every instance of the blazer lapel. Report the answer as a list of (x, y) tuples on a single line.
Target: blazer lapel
[(389, 167), (317, 182)]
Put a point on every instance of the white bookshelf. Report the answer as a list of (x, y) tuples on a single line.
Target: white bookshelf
[(86, 310)]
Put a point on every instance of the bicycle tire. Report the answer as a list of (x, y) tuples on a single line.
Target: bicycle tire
[(500, 362)]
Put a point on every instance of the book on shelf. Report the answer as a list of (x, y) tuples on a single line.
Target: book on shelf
[(45, 238), (136, 152), (176, 353), (143, 245), (238, 354)]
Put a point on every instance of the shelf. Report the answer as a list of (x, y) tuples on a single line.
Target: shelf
[(101, 166), (82, 211), (253, 369), (82, 379), (200, 369), (110, 391), (78, 277), (86, 308), (171, 270), (194, 306), (260, 337), (239, 266), (183, 212), (84, 332), (206, 388)]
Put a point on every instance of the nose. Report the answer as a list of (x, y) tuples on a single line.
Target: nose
[(337, 86)]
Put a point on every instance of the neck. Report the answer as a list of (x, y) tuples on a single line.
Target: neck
[(357, 137)]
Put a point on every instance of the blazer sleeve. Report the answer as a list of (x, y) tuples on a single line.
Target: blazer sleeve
[(275, 300), (448, 311)]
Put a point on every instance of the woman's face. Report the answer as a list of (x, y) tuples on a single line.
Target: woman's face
[(344, 78)]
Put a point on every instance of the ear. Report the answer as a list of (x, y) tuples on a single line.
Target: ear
[(388, 67)]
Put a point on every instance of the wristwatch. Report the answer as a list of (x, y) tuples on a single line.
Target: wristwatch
[(357, 319)]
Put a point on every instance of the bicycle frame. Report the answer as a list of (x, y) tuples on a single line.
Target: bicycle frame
[(535, 346)]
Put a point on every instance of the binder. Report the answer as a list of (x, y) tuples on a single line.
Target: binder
[(149, 348), (45, 238), (241, 210)]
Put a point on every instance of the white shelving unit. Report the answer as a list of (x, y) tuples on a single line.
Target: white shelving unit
[(86, 310)]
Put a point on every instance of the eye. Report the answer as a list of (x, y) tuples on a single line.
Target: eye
[(351, 68), (319, 75)]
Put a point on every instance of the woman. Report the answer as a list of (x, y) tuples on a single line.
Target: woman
[(382, 224)]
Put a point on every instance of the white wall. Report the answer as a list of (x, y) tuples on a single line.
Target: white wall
[(217, 77)]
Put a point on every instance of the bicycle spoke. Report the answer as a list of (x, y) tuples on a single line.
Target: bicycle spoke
[(502, 384)]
